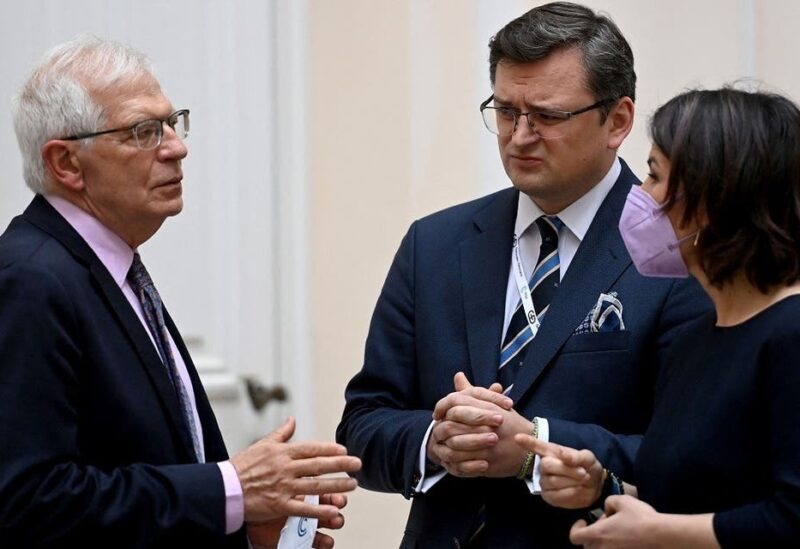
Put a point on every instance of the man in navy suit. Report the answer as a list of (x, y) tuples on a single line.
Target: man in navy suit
[(578, 363), (108, 437)]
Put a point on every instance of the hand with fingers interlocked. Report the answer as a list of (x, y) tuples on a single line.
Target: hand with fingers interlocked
[(474, 430)]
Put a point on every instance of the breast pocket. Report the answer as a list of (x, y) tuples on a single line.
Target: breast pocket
[(597, 342)]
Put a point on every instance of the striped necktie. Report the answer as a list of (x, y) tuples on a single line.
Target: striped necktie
[(543, 284), (153, 310)]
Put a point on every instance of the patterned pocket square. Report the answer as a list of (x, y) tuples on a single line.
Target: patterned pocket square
[(605, 316)]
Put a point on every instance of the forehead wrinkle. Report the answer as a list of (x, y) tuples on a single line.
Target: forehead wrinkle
[(141, 107), (548, 97), (530, 105), (134, 100), (552, 82)]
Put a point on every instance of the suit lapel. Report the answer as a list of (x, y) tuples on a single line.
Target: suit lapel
[(212, 437), (600, 260), (44, 216), (485, 261), (137, 334)]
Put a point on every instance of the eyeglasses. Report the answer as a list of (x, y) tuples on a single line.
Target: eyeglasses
[(148, 133), (546, 124)]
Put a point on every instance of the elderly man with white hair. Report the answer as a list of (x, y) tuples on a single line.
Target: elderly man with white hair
[(109, 438)]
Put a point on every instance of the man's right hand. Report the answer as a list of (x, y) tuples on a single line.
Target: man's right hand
[(464, 448), (273, 472)]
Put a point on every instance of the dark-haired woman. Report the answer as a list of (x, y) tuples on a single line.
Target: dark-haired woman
[(720, 462)]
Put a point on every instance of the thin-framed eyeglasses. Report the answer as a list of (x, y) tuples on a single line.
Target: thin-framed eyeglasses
[(547, 124), (147, 133)]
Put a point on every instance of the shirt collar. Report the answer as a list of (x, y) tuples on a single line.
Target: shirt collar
[(113, 252), (578, 216)]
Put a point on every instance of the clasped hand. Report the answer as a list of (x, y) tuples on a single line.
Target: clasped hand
[(474, 429)]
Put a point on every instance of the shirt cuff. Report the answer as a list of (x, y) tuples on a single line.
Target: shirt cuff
[(426, 483), (234, 497), (543, 434)]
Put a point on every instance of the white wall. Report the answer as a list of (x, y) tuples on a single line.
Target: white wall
[(233, 266)]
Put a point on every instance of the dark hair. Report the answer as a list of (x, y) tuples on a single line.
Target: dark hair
[(735, 159), (607, 57)]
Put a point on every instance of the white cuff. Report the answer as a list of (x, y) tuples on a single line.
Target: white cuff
[(426, 483), (543, 434)]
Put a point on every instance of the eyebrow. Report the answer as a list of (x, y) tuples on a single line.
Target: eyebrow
[(652, 160), (529, 106), (140, 116)]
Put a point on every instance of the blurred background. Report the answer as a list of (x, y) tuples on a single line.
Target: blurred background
[(320, 130)]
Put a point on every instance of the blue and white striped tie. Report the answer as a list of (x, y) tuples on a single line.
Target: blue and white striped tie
[(543, 284)]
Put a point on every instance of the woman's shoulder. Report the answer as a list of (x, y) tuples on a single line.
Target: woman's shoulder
[(781, 320)]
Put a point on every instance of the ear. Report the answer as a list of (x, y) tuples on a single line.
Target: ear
[(620, 121), (63, 163)]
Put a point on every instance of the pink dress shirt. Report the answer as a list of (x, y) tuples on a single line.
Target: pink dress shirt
[(117, 258)]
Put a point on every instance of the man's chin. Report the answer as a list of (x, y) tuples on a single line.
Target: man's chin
[(532, 186), (548, 196), (173, 207)]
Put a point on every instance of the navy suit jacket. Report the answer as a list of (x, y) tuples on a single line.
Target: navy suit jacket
[(93, 450), (441, 311)]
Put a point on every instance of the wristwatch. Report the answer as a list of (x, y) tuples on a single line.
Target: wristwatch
[(612, 486)]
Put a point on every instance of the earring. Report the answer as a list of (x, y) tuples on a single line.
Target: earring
[(696, 237)]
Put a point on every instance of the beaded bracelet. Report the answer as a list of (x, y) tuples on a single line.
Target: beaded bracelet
[(526, 471)]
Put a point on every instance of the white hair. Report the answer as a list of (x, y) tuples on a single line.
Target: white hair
[(56, 101)]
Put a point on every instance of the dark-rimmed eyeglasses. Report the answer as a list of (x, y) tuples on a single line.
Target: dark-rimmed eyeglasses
[(147, 133), (547, 124)]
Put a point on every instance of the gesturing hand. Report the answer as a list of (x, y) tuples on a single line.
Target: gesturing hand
[(571, 479), (273, 472)]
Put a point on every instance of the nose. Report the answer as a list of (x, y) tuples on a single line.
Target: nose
[(172, 147), (524, 133)]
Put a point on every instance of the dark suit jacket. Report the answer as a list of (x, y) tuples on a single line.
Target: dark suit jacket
[(93, 452), (441, 310)]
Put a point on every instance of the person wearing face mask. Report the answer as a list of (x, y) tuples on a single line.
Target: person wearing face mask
[(720, 462)]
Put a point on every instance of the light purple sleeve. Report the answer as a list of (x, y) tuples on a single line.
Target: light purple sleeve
[(234, 497)]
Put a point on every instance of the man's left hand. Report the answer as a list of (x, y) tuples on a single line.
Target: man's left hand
[(266, 535)]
